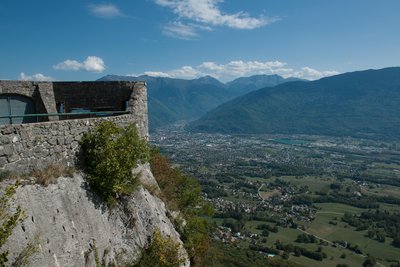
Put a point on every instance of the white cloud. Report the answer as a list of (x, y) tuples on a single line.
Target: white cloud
[(156, 74), (207, 13), (35, 77), (91, 63), (186, 72), (240, 68), (312, 74), (105, 11), (179, 30), (68, 65)]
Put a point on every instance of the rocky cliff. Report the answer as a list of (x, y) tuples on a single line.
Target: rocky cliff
[(70, 226)]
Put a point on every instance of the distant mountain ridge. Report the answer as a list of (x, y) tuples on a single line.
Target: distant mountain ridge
[(172, 99), (362, 103), (243, 85)]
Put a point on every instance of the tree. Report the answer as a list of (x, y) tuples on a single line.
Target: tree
[(380, 237), (183, 193), (396, 242), (109, 154), (369, 261), (265, 233)]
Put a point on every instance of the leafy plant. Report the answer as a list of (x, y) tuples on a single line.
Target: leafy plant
[(30, 249), (180, 192), (4, 174), (183, 193), (195, 236), (109, 154), (162, 252), (8, 220)]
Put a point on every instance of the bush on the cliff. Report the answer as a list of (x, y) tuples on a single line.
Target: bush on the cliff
[(109, 154), (183, 193), (162, 252)]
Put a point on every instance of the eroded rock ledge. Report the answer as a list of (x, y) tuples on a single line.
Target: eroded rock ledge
[(71, 225)]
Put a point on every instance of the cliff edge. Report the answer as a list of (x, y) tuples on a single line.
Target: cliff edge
[(70, 226)]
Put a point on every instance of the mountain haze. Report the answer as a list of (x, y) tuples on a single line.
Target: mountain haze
[(244, 85), (171, 100), (363, 103)]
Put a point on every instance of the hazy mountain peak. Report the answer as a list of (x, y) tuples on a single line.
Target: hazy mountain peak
[(362, 103), (209, 80), (244, 85)]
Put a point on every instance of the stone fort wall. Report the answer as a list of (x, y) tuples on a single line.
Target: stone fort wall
[(30, 146)]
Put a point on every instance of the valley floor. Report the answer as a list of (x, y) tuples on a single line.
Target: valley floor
[(306, 198)]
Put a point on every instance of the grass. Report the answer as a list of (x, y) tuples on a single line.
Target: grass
[(321, 227), (266, 195), (332, 260), (289, 235), (314, 183), (4, 175), (337, 207), (326, 212), (389, 207), (50, 174)]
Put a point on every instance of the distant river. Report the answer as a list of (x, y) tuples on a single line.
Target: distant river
[(291, 141)]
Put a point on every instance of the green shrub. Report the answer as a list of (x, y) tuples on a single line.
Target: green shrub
[(183, 193), (109, 154), (162, 252), (8, 220), (4, 174), (196, 239), (180, 192)]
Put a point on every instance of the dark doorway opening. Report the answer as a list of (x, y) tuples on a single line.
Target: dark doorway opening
[(16, 105)]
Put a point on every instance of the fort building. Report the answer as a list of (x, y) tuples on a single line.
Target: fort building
[(41, 123)]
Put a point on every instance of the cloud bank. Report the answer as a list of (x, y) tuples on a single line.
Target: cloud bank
[(35, 77), (194, 15), (91, 63), (105, 11), (240, 68), (179, 30)]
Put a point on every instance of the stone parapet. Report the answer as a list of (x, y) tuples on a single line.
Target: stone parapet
[(26, 147)]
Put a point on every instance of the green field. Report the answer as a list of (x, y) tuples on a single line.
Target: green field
[(287, 235), (321, 227), (304, 185)]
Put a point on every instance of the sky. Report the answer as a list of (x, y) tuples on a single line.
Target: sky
[(85, 40)]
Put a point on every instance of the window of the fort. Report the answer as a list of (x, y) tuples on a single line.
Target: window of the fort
[(16, 105)]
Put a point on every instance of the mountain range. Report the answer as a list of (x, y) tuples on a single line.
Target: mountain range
[(361, 104), (171, 100)]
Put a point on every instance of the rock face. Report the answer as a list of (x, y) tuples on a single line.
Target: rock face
[(72, 227)]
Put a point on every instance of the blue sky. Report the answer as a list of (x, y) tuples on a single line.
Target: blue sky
[(85, 40)]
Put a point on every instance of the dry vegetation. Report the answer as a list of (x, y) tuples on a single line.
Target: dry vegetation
[(50, 174)]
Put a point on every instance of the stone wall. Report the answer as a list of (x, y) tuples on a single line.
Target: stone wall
[(26, 147)]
